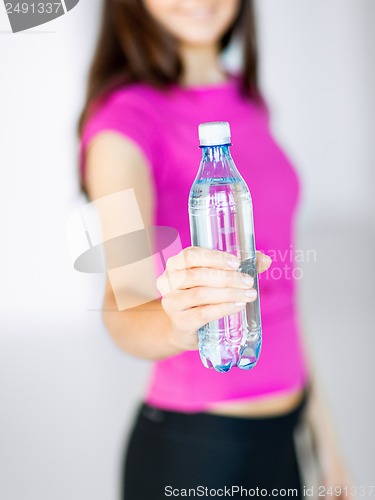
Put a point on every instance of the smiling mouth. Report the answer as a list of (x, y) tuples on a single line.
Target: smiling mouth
[(200, 14)]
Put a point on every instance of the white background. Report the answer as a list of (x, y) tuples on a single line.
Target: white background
[(67, 394)]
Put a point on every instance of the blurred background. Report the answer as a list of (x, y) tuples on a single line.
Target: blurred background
[(67, 393)]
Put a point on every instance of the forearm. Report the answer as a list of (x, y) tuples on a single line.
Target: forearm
[(144, 331), (319, 416)]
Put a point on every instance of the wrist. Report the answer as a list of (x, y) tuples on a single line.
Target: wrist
[(183, 341)]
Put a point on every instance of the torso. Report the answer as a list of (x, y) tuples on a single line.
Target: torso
[(267, 406)]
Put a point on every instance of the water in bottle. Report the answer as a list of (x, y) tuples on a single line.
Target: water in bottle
[(221, 218)]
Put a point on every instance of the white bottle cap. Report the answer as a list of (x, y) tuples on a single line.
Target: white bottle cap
[(214, 133)]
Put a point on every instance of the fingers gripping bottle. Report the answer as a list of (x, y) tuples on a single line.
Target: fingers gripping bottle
[(221, 218)]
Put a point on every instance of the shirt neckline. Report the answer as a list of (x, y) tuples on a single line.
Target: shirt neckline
[(213, 87)]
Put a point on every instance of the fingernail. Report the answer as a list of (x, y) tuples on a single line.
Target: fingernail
[(250, 293), (235, 263), (268, 259), (248, 280)]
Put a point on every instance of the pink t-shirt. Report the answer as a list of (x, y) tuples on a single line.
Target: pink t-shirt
[(164, 126)]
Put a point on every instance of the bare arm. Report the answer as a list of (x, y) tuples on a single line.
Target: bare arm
[(334, 470), (115, 164)]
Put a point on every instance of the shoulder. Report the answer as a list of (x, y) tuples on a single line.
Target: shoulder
[(129, 112), (123, 102), (132, 110)]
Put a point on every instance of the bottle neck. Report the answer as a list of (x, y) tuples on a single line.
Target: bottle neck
[(217, 162), (216, 153)]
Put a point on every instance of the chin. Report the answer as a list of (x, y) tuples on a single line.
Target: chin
[(200, 37)]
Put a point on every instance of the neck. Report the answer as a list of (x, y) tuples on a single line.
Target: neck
[(202, 66)]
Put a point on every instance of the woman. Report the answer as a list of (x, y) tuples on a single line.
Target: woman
[(155, 76)]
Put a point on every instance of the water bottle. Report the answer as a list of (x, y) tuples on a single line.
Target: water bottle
[(221, 218)]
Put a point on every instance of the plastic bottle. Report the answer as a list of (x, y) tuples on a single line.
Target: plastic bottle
[(221, 217)]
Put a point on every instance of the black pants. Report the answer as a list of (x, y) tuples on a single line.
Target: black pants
[(169, 453)]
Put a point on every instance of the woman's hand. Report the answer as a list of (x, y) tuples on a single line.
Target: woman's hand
[(334, 474), (335, 477), (201, 285)]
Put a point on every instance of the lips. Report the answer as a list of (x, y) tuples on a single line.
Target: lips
[(26, 15), (199, 14)]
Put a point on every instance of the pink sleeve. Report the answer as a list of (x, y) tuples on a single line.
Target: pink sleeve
[(120, 113)]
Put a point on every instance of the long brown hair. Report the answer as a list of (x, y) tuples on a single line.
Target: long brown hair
[(133, 47)]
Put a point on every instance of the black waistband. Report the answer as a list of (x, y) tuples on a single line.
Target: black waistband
[(212, 425)]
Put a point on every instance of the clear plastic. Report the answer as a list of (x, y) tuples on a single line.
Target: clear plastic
[(221, 217)]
